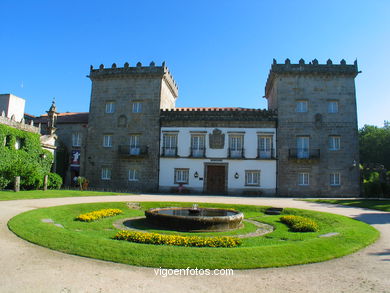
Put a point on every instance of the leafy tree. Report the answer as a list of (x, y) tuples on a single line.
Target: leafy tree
[(374, 145)]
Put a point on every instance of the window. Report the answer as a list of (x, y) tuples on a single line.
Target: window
[(236, 146), (107, 140), (333, 106), (334, 143), (302, 147), (106, 173), (76, 139), (197, 145), (265, 146), (252, 177), (301, 106), (133, 175), (334, 179), (18, 143), (137, 107), (303, 178), (181, 176), (134, 145), (110, 107), (170, 145)]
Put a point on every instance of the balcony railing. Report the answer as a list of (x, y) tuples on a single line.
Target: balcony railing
[(169, 151), (235, 153), (133, 151), (198, 152), (304, 153), (266, 153)]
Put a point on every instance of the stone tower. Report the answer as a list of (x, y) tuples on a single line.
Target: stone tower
[(124, 126), (317, 131)]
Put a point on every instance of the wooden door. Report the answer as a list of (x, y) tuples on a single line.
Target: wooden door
[(216, 180)]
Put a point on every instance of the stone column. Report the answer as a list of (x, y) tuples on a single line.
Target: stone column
[(17, 184), (45, 180)]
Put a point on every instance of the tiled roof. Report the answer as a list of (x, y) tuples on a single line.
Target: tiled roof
[(198, 109), (68, 117)]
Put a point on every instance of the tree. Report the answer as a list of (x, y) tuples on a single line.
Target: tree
[(374, 143)]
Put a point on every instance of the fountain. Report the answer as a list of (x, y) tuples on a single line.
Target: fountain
[(195, 218)]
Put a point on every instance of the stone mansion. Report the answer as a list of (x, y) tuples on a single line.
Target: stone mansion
[(135, 139)]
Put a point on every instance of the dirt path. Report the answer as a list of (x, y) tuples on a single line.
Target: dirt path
[(25, 267)]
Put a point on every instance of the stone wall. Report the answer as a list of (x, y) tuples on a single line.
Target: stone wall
[(317, 84), (154, 87)]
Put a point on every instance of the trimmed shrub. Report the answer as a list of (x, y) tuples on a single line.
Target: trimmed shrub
[(300, 224), (54, 181), (97, 215), (191, 241)]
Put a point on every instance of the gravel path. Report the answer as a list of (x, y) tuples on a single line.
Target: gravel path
[(25, 267)]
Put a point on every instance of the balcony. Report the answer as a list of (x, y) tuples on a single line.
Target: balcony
[(197, 152), (266, 154), (235, 153), (304, 154), (169, 152), (133, 151)]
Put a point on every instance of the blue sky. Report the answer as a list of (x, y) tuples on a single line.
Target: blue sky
[(219, 52)]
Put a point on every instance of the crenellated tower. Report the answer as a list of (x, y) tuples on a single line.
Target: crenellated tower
[(124, 127), (317, 132)]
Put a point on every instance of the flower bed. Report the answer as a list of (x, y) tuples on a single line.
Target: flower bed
[(194, 241), (96, 215), (300, 224)]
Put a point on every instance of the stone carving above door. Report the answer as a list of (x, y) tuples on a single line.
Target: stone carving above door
[(217, 139)]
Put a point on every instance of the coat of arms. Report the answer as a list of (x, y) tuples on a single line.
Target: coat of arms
[(217, 139)]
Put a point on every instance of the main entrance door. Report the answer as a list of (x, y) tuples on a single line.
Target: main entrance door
[(216, 179)]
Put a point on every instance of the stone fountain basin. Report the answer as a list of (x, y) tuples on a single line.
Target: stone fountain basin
[(195, 220)]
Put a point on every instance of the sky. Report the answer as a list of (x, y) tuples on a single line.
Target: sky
[(219, 52)]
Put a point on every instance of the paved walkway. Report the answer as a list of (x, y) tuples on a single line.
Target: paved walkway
[(25, 267)]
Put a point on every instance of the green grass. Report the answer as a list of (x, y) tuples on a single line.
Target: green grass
[(381, 205), (33, 194), (279, 248)]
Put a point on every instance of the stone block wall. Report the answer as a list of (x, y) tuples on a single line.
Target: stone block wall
[(124, 87), (317, 84)]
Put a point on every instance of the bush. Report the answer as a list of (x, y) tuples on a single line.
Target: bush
[(194, 241), (30, 162), (97, 215), (300, 224), (54, 181)]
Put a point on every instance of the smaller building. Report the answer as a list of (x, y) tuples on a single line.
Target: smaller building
[(218, 151)]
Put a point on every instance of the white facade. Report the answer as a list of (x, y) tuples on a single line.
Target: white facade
[(235, 169), (12, 106)]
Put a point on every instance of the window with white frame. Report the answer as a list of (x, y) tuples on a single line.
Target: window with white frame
[(133, 175), (197, 145), (106, 173), (301, 106), (110, 107), (303, 178), (303, 144), (252, 177), (181, 176), (265, 146), (134, 144), (76, 139), (334, 179), (137, 107), (236, 143), (107, 140), (334, 143), (333, 106), (169, 144)]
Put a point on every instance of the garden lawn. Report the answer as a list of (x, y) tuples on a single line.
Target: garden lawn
[(381, 205), (32, 194), (279, 248)]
